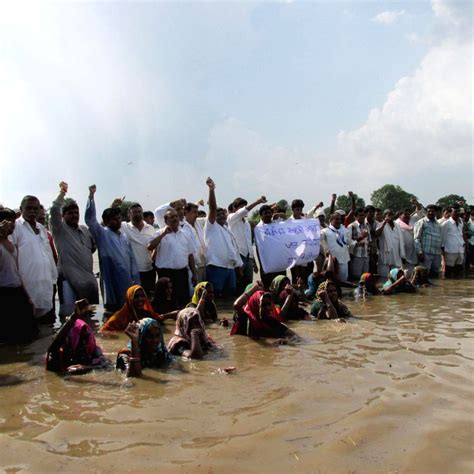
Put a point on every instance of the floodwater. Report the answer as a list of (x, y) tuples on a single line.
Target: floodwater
[(390, 392)]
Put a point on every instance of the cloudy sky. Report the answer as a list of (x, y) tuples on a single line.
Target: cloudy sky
[(289, 99)]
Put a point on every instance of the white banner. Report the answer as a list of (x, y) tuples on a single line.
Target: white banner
[(287, 243)]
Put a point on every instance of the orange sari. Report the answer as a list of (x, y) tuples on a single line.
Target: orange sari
[(127, 313)]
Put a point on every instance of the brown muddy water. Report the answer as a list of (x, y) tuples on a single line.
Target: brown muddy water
[(390, 392)]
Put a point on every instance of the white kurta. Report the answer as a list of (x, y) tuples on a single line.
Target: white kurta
[(36, 265), (391, 245)]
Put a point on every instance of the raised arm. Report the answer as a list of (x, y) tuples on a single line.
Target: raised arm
[(241, 301), (90, 216), (314, 209), (52, 354), (55, 212), (134, 368), (332, 206), (212, 201)]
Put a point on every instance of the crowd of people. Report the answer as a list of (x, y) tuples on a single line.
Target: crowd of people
[(175, 262)]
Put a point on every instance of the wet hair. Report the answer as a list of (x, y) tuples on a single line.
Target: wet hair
[(238, 202), (230, 207), (359, 210), (26, 199), (377, 209), (109, 213), (148, 214), (264, 208), (70, 207), (432, 206), (7, 213), (220, 209), (333, 215), (369, 208), (190, 206), (456, 207), (297, 203), (202, 213)]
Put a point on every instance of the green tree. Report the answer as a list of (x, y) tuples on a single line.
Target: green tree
[(344, 202), (283, 204), (124, 207), (392, 197), (254, 218), (451, 199)]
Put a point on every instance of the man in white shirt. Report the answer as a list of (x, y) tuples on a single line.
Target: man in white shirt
[(391, 245), (335, 240), (240, 228), (360, 241), (140, 234), (35, 257), (223, 256), (160, 211), (194, 228), (452, 244), (174, 256)]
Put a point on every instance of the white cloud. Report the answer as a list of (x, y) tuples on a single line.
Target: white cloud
[(420, 138), (388, 17)]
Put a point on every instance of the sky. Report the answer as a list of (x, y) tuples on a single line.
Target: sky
[(287, 99)]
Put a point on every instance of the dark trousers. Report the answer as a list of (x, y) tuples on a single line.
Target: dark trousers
[(180, 280), (17, 315), (247, 274), (148, 280)]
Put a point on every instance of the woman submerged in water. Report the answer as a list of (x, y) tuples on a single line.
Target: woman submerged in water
[(327, 304), (398, 283), (190, 337), (137, 306), (74, 349), (287, 299), (146, 348), (367, 286), (258, 317), (207, 307)]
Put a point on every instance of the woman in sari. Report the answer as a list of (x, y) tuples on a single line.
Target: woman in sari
[(208, 308), (74, 349), (164, 300), (145, 349), (137, 306), (397, 283), (258, 317), (190, 338), (327, 304), (285, 296), (367, 286), (420, 277)]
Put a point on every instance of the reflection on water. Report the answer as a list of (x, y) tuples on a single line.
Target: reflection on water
[(388, 392)]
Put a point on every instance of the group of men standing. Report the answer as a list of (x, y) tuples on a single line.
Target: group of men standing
[(188, 249)]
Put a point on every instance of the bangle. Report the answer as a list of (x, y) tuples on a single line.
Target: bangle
[(134, 359)]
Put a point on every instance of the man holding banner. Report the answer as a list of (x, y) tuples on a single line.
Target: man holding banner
[(286, 244), (335, 240)]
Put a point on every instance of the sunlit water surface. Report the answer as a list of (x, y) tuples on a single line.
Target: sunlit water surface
[(390, 392)]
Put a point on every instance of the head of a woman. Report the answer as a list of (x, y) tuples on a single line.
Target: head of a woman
[(330, 288), (420, 276), (82, 342), (152, 346), (139, 299), (265, 305), (395, 274), (369, 281), (278, 284), (164, 288), (199, 290)]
